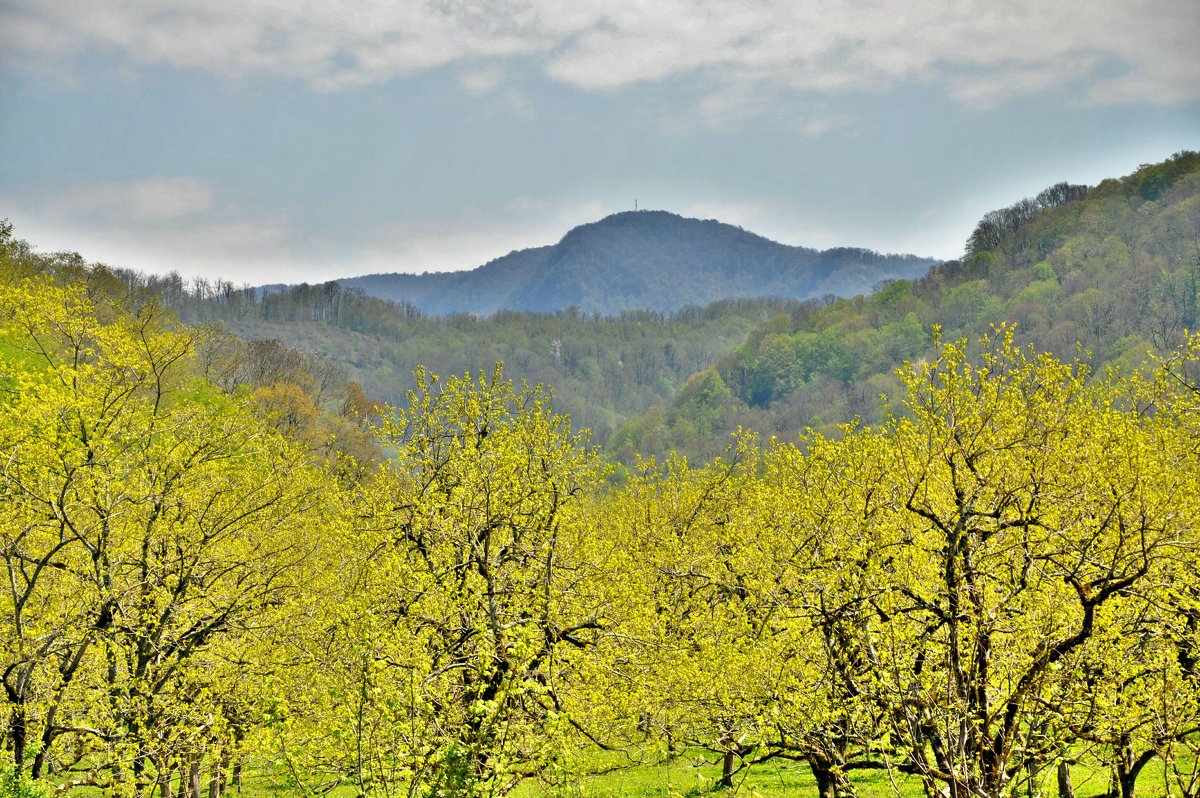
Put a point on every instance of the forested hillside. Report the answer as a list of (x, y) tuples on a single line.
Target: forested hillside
[(645, 260), (993, 593), (603, 370), (1114, 269)]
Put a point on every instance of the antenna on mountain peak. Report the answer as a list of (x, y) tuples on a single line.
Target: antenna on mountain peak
[(635, 205)]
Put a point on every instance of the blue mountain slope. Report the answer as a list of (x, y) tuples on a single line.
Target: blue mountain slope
[(643, 260)]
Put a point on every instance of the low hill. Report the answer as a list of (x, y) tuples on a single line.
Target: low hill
[(643, 260), (1112, 270)]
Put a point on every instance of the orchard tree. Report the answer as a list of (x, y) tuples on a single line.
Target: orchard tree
[(1029, 504), (447, 659), (695, 660), (150, 527), (1170, 401), (822, 526)]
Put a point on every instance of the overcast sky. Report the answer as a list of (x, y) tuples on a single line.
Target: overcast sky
[(263, 141)]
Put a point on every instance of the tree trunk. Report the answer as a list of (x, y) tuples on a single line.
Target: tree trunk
[(1065, 788), (1128, 768), (825, 788), (217, 779), (831, 780), (164, 784), (141, 786), (194, 778), (1128, 781), (727, 769), (39, 761), (16, 730)]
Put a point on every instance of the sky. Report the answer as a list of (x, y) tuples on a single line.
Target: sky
[(265, 141)]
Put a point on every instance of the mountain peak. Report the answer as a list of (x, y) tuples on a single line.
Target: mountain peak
[(657, 221), (644, 259)]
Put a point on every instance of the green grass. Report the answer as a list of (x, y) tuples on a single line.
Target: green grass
[(695, 775)]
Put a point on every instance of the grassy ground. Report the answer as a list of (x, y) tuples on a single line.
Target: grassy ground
[(692, 777), (685, 776), (696, 776)]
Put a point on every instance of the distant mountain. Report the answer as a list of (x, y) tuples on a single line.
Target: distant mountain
[(651, 260)]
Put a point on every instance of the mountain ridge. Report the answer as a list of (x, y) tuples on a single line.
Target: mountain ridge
[(642, 260)]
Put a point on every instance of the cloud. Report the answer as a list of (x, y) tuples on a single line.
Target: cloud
[(819, 126), (159, 225), (331, 45), (733, 105), (480, 80), (981, 51), (254, 250), (158, 200)]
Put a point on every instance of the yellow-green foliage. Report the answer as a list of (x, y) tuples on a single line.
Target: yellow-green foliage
[(997, 581), (148, 540)]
